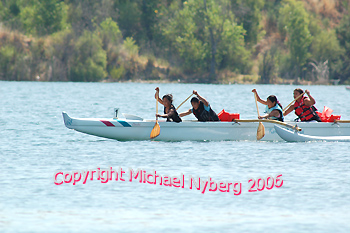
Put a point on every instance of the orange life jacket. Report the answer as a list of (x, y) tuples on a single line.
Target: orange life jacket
[(304, 112)]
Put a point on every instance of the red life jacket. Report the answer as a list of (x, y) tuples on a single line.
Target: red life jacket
[(305, 113)]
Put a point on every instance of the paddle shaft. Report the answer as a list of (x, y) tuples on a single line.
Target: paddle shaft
[(156, 110), (184, 102), (256, 103), (342, 121), (156, 129), (260, 133), (293, 101), (271, 121)]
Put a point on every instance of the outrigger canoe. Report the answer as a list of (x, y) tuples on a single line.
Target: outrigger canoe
[(130, 127), (295, 136)]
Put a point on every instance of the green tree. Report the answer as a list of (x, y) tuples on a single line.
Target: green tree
[(129, 18), (60, 50), (10, 14), (88, 62), (203, 32), (44, 17), (268, 66), (109, 33), (293, 23), (111, 39), (271, 7), (325, 47), (7, 60), (2, 11), (148, 17), (232, 53), (140, 19), (343, 35), (249, 14), (89, 14), (48, 16)]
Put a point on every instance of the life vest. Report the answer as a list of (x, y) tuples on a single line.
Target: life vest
[(304, 112), (175, 117), (278, 108), (203, 115)]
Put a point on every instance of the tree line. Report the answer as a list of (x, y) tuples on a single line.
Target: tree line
[(210, 41)]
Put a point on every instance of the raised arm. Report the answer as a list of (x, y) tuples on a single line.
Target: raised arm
[(258, 97), (185, 113), (309, 101), (204, 101), (156, 96)]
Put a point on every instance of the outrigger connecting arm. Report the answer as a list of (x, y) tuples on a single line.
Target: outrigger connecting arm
[(295, 127)]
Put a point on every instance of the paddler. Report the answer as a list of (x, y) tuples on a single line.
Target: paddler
[(169, 110), (303, 106), (201, 109), (274, 110)]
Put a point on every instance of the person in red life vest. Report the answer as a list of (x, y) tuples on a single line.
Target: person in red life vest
[(274, 110), (169, 110), (201, 109), (303, 107)]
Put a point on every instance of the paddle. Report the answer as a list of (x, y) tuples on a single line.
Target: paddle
[(184, 102), (156, 128), (261, 129), (342, 121), (293, 102)]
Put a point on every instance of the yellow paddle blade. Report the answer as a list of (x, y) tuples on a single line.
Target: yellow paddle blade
[(261, 131), (155, 131)]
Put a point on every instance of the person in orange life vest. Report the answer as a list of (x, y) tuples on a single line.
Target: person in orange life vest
[(169, 110), (303, 107), (274, 110), (201, 109)]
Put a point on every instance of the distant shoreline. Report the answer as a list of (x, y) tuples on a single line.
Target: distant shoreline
[(290, 82)]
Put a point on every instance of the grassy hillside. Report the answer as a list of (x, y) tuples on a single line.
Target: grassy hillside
[(223, 41)]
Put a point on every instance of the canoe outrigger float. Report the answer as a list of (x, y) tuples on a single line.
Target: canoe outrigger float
[(294, 136), (130, 127)]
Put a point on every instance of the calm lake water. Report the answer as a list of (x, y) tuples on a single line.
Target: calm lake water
[(34, 144)]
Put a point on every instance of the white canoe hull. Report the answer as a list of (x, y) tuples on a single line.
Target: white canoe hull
[(133, 129), (294, 136)]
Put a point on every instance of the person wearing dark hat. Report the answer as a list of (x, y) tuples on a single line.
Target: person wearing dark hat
[(201, 109)]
